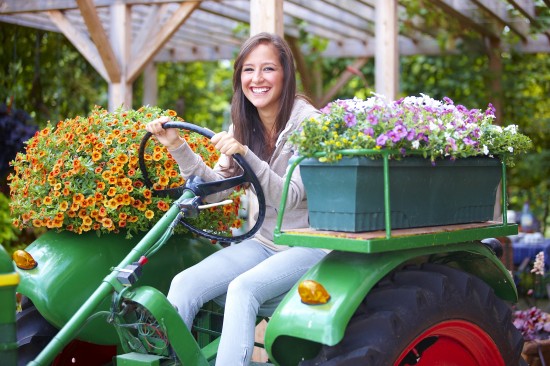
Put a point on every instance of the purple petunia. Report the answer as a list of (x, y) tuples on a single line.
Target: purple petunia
[(350, 119), (382, 139)]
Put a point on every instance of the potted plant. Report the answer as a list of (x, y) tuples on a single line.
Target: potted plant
[(445, 162), (82, 175)]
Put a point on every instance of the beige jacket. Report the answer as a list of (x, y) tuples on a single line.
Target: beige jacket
[(271, 175)]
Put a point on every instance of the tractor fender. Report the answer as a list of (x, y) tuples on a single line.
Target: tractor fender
[(348, 277), (71, 266)]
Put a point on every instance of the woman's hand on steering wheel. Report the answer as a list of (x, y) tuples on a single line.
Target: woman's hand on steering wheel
[(227, 144), (168, 137), (200, 188)]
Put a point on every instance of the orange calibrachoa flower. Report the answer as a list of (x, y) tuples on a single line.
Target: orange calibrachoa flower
[(83, 174)]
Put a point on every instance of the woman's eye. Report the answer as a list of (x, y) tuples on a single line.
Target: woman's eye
[(269, 68), (248, 69)]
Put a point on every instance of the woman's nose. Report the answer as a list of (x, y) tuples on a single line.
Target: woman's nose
[(257, 77)]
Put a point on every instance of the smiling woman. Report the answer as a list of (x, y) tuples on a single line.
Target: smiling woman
[(265, 110)]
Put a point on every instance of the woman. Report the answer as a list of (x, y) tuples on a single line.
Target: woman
[(264, 111)]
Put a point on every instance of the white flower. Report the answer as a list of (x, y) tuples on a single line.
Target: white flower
[(511, 149), (511, 128), (485, 150), (415, 144), (538, 266)]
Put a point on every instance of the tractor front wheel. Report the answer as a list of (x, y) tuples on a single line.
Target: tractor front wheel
[(34, 333), (429, 315)]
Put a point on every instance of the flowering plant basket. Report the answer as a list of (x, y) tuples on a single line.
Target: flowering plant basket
[(414, 132), (421, 125), (82, 175)]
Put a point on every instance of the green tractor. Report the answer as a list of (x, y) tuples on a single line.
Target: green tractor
[(436, 296)]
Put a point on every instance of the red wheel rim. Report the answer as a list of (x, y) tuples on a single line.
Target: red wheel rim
[(458, 343)]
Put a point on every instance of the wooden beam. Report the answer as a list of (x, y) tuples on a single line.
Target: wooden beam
[(80, 40), (266, 16), (465, 18), (26, 6), (99, 36), (120, 92), (329, 17), (498, 11), (150, 84), (387, 54), (525, 7), (155, 43), (148, 26)]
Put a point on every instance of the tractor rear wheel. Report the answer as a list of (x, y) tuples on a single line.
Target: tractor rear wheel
[(429, 315), (34, 333)]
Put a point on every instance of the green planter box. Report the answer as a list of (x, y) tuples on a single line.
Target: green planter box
[(349, 195)]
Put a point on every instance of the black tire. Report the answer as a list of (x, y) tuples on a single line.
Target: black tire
[(411, 302), (33, 333)]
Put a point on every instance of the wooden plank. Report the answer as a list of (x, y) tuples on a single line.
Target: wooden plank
[(156, 42), (80, 40), (380, 234), (99, 36)]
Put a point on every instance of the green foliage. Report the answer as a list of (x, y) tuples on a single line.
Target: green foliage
[(8, 232), (42, 73)]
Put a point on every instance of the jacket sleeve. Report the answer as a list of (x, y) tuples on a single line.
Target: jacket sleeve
[(192, 164), (272, 183)]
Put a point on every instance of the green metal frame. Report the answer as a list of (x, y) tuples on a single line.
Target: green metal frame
[(388, 242), (353, 268)]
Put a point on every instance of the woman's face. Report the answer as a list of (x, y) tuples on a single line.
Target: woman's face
[(262, 78)]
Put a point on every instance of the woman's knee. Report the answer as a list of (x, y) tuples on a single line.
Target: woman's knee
[(241, 290)]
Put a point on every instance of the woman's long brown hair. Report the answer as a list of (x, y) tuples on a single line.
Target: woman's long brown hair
[(248, 128)]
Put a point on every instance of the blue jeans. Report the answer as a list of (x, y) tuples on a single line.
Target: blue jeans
[(244, 276)]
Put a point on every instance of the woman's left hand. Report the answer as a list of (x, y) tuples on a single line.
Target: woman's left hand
[(227, 144)]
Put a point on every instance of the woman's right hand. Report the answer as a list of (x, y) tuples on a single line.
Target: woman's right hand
[(168, 137)]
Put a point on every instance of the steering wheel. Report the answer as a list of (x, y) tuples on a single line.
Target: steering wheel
[(202, 189)]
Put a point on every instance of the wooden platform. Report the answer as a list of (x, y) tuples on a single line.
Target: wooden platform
[(380, 234)]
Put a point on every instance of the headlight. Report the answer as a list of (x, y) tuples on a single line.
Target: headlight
[(23, 260)]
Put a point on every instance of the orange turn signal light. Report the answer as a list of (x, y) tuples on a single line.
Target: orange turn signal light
[(24, 259), (313, 293)]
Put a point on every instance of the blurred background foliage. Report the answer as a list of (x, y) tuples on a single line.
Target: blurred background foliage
[(43, 75)]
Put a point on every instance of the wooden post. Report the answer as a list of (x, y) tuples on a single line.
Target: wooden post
[(266, 16), (120, 93), (386, 53), (150, 85)]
